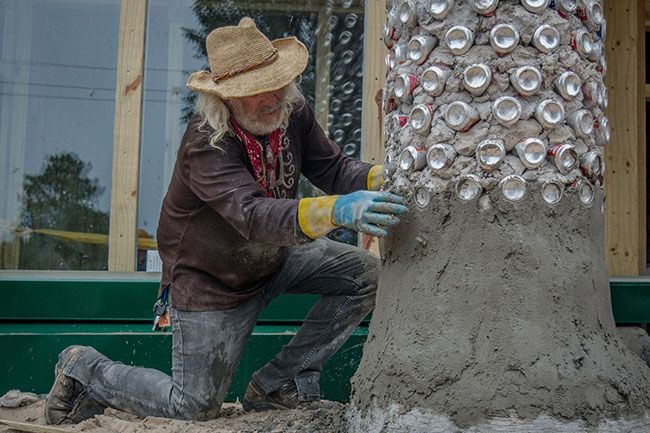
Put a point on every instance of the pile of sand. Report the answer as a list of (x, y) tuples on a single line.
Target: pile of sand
[(233, 419)]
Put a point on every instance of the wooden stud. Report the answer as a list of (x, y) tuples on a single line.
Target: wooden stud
[(126, 137), (374, 73), (625, 231)]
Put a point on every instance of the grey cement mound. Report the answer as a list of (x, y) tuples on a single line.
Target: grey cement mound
[(497, 310)]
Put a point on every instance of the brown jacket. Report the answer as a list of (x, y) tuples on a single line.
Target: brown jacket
[(220, 238)]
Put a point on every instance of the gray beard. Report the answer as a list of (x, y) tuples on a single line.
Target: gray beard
[(251, 124)]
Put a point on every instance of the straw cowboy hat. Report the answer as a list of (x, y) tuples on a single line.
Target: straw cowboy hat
[(243, 62)]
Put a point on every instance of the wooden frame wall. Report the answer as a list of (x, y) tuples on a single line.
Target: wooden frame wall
[(126, 137), (625, 220)]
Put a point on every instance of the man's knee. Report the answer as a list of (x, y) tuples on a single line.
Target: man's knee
[(367, 279), (369, 270)]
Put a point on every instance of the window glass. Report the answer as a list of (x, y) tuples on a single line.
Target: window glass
[(175, 47), (57, 104)]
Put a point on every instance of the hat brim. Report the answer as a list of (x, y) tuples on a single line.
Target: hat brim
[(291, 62)]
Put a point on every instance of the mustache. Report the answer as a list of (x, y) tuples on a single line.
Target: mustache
[(270, 110)]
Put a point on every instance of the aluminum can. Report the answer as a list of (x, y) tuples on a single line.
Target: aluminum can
[(421, 116), (596, 52), (420, 47), (413, 158), (404, 86), (604, 96), (459, 39), (468, 187), (550, 113), (602, 31), (434, 79), (591, 14), (565, 8), (390, 63), (593, 96), (527, 80), (504, 38), (546, 38), (602, 66), (461, 116), (563, 156), (581, 42), (552, 191), (484, 7), (568, 85), (392, 19), (440, 156), (591, 164), (390, 36), (390, 162), (513, 187), (585, 192), (440, 8), (490, 153), (535, 6), (401, 53), (389, 105), (476, 78), (582, 122), (422, 197), (531, 152), (506, 110), (407, 14), (602, 132), (397, 121)]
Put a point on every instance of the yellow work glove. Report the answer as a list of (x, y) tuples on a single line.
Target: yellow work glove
[(363, 211), (375, 178)]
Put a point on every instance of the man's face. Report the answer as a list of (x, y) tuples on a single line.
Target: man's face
[(259, 114)]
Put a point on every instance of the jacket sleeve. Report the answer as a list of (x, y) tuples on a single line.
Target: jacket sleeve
[(324, 164), (221, 179)]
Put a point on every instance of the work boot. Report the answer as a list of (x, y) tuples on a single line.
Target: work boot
[(285, 397), (67, 402)]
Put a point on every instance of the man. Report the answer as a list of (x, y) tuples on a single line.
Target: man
[(232, 237)]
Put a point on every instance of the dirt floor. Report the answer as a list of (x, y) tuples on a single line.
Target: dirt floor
[(233, 419)]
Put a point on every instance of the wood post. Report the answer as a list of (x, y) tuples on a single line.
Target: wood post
[(126, 136), (625, 156)]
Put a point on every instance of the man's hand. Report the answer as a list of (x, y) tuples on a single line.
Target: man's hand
[(368, 211)]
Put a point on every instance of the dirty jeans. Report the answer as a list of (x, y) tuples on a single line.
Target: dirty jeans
[(207, 345)]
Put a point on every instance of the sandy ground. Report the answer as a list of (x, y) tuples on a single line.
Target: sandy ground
[(233, 419)]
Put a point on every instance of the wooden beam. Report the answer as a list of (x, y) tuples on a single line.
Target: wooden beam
[(625, 231), (374, 72), (126, 136)]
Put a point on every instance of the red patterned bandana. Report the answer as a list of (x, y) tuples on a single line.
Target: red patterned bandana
[(264, 165)]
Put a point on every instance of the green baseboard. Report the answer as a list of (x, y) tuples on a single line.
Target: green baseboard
[(30, 353)]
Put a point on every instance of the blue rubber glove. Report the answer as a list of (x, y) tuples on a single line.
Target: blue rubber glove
[(368, 211)]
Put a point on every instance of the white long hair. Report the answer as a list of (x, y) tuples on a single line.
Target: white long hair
[(214, 112)]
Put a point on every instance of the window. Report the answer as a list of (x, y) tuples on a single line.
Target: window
[(57, 87)]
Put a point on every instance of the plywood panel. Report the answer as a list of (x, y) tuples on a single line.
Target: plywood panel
[(625, 234), (126, 136)]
